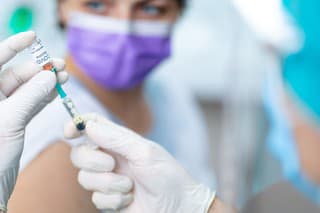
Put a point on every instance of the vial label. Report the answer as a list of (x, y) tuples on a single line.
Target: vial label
[(39, 53)]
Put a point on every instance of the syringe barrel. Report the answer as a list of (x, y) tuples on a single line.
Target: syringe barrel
[(77, 119), (69, 105)]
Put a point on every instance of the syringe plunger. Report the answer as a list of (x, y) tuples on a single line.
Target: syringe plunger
[(77, 119)]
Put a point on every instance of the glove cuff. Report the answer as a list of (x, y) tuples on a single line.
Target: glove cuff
[(11, 150), (198, 200), (7, 182), (211, 200)]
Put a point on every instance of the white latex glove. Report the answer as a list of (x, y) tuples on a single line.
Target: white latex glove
[(160, 184), (24, 91), (272, 24)]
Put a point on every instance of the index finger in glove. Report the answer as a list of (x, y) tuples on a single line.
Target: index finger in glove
[(12, 78), (14, 44), (110, 136)]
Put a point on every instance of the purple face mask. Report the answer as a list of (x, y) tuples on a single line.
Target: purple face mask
[(117, 54)]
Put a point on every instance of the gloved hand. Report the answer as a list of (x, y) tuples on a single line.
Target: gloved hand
[(278, 31), (157, 182), (24, 91)]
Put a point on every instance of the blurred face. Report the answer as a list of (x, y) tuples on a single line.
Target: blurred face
[(136, 35), (156, 10)]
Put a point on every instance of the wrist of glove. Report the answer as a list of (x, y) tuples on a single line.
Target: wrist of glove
[(11, 150), (131, 174), (8, 178), (198, 199)]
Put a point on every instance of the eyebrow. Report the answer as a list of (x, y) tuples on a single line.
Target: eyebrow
[(142, 1)]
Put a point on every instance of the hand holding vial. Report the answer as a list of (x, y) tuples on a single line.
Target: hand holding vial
[(24, 92)]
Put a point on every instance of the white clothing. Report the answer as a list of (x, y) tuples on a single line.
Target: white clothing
[(178, 125)]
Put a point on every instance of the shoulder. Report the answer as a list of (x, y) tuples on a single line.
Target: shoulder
[(44, 129), (41, 187)]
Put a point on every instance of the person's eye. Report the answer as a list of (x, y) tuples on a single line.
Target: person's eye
[(96, 6), (152, 10)]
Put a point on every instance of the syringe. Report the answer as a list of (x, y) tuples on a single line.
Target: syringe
[(43, 59)]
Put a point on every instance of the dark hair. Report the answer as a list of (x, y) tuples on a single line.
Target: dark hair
[(182, 3)]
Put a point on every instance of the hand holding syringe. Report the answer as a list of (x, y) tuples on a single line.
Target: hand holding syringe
[(43, 59)]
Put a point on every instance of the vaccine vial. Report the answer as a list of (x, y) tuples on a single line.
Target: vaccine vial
[(40, 55)]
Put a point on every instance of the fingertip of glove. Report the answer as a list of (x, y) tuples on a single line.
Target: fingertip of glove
[(63, 77), (59, 64), (70, 131), (22, 40), (28, 36)]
